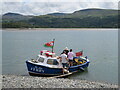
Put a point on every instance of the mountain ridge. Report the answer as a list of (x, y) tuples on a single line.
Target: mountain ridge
[(92, 17), (89, 9)]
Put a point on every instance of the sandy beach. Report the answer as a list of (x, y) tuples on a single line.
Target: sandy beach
[(55, 29), (17, 81)]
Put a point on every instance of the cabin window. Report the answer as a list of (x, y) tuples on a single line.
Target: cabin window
[(41, 59), (52, 61)]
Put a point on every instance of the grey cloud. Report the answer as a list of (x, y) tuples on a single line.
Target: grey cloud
[(40, 8)]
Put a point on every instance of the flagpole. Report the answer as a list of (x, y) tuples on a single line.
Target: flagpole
[(53, 44)]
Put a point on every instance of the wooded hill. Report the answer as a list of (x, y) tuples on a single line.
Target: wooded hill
[(87, 18)]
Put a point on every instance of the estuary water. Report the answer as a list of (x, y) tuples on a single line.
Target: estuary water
[(101, 47)]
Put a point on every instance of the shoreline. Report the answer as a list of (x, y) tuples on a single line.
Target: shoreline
[(55, 29), (19, 81)]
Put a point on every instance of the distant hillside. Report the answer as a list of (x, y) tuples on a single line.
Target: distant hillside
[(86, 18), (13, 16), (56, 14), (89, 13), (95, 12)]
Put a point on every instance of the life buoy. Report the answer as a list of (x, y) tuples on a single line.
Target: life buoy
[(47, 53)]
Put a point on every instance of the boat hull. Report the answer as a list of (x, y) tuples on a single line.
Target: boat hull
[(41, 70), (35, 69)]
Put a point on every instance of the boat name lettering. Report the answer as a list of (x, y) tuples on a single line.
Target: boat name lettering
[(37, 69)]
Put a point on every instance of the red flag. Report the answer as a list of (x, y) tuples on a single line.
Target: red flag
[(49, 44), (79, 53)]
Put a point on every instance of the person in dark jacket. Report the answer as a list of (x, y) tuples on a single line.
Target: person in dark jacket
[(66, 50)]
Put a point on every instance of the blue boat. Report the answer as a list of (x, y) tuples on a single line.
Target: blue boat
[(48, 64)]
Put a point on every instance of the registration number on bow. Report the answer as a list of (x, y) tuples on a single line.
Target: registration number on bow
[(37, 69)]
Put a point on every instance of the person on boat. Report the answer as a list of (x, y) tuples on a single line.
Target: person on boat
[(64, 61), (66, 50), (70, 57), (86, 57)]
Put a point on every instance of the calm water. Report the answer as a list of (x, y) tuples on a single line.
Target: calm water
[(101, 47)]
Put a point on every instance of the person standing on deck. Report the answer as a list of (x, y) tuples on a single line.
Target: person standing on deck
[(70, 57), (66, 50), (64, 61)]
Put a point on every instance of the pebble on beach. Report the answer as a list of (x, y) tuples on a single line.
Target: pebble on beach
[(17, 81)]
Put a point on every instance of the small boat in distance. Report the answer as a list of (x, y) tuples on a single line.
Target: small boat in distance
[(48, 64)]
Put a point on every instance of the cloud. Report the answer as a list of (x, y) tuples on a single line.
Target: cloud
[(41, 8), (13, 0), (60, 1)]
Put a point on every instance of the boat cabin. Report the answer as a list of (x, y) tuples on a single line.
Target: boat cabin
[(48, 59)]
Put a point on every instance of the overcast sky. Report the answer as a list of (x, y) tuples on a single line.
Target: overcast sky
[(41, 7)]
